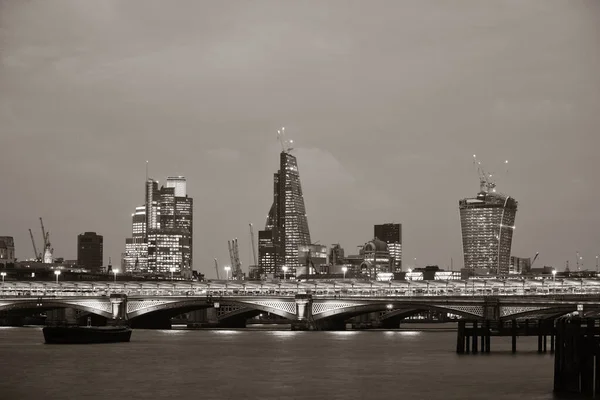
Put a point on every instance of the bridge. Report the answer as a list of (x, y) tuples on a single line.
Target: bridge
[(314, 305)]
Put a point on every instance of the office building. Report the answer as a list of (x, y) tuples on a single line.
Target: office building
[(90, 251), (136, 247), (487, 223), (7, 249), (162, 231), (391, 234), (286, 222)]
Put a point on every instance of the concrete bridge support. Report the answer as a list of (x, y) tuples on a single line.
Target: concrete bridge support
[(119, 309), (305, 321)]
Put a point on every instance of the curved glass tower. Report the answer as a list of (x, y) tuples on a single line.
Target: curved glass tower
[(487, 222)]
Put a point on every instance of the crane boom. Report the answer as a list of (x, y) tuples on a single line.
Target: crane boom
[(43, 233), (253, 244), (486, 184), (35, 252), (535, 258), (237, 266), (217, 269), (231, 256)]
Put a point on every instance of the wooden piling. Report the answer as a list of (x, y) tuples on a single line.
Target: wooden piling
[(474, 337), (514, 336), (460, 338)]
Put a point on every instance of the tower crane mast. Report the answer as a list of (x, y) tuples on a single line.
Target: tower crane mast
[(237, 266), (217, 269), (253, 244), (38, 256), (44, 236)]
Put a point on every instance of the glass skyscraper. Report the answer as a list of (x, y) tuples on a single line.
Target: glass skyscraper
[(286, 223), (162, 230), (487, 223)]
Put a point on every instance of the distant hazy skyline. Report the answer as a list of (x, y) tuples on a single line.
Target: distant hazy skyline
[(387, 101)]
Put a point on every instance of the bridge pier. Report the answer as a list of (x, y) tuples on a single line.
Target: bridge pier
[(305, 321), (118, 302)]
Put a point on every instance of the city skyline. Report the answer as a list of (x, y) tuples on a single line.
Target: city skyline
[(392, 111)]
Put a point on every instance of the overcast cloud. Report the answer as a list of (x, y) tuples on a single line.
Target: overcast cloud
[(386, 101)]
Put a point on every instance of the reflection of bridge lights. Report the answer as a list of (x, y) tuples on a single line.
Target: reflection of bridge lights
[(343, 333), (227, 332), (409, 333), (284, 333)]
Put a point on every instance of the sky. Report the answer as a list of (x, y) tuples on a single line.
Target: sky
[(386, 101)]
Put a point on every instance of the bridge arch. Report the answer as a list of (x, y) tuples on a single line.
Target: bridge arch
[(285, 310), (99, 307), (350, 310)]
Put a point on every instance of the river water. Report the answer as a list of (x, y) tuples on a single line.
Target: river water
[(270, 364)]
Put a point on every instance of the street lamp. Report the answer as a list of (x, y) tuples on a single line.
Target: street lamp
[(3, 275), (553, 274), (115, 272), (172, 269), (57, 273), (344, 270), (284, 268), (227, 269)]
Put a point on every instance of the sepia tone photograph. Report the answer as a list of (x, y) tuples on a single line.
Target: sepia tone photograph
[(284, 199)]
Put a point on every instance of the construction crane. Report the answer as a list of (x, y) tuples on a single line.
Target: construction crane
[(237, 266), (535, 258), (234, 255), (38, 256), (217, 269), (49, 250), (486, 184), (253, 245), (286, 145), (44, 236)]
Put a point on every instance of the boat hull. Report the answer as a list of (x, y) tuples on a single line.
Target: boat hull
[(85, 334)]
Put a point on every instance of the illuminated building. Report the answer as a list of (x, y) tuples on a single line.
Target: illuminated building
[(286, 222), (487, 223), (392, 235), (7, 249), (311, 259), (376, 258), (336, 255), (519, 265), (266, 252), (136, 247), (167, 250), (162, 231), (90, 251), (179, 184)]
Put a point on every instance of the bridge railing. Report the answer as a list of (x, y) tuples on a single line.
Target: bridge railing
[(327, 292)]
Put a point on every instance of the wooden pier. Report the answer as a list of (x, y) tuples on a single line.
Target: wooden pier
[(475, 336), (577, 358)]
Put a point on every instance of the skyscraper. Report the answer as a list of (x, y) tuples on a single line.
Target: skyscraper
[(286, 222), (392, 235), (136, 247), (487, 223), (90, 251), (162, 230)]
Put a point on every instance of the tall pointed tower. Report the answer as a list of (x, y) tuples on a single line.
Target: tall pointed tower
[(287, 226)]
